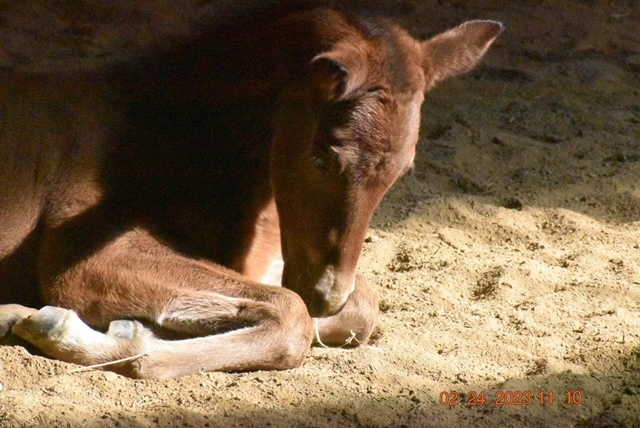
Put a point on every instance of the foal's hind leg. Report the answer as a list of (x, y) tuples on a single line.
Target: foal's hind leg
[(60, 333), (246, 326)]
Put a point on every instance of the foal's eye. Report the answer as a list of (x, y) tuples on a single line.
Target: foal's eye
[(381, 93), (322, 162), (326, 161)]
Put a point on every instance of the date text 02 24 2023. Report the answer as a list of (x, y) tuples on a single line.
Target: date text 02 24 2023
[(510, 398)]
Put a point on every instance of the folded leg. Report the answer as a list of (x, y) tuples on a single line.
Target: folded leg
[(354, 324), (224, 321)]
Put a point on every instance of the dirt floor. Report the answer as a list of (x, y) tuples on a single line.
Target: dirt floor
[(508, 264)]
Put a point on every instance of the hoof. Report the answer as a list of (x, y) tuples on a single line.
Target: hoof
[(123, 329), (61, 334), (10, 315), (45, 324)]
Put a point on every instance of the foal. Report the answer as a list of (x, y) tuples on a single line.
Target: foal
[(151, 201)]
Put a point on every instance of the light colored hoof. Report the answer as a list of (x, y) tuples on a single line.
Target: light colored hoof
[(123, 329), (47, 324), (10, 315), (61, 334)]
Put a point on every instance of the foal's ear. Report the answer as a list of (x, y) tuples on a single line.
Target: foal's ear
[(338, 72), (457, 50)]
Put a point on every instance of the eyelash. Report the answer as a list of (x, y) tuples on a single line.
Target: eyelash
[(325, 160), (322, 162)]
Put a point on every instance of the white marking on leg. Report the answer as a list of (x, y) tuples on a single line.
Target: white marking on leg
[(190, 313), (62, 334), (274, 274)]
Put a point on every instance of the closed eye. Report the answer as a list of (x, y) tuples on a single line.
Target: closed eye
[(381, 93), (321, 163), (325, 160)]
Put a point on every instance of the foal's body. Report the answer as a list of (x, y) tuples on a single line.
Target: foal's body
[(163, 193)]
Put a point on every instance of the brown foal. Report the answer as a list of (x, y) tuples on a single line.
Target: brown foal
[(149, 204)]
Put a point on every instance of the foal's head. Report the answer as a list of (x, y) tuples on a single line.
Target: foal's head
[(346, 133)]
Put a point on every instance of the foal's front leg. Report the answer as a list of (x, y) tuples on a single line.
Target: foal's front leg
[(237, 324), (355, 322)]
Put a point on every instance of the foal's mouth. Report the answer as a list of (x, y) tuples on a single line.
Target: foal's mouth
[(324, 293)]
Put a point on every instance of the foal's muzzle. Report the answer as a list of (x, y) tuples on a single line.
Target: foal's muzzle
[(329, 294), (323, 288)]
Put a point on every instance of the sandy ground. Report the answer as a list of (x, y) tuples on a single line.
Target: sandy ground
[(508, 264)]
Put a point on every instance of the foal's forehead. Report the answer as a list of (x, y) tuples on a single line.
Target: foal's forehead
[(384, 135), (396, 56), (381, 123)]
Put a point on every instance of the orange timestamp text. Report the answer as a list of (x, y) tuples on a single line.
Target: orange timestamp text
[(510, 398)]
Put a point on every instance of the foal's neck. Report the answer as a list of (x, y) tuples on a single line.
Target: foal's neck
[(207, 116)]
